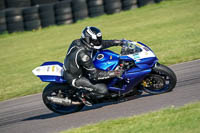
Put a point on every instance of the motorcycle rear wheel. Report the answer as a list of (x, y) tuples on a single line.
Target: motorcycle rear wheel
[(58, 90), (161, 80)]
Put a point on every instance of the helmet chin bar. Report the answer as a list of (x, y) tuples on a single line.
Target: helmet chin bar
[(97, 47), (91, 45)]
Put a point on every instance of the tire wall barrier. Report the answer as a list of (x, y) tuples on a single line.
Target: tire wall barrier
[(20, 15), (79, 9), (47, 15), (17, 3), (31, 18), (40, 2), (2, 4), (128, 4), (63, 13), (141, 3), (14, 19), (3, 25), (95, 7), (112, 6)]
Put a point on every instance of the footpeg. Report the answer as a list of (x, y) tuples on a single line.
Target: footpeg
[(84, 100), (87, 103)]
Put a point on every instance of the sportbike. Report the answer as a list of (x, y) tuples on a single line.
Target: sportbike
[(142, 73)]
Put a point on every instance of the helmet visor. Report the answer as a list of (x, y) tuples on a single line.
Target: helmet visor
[(97, 42)]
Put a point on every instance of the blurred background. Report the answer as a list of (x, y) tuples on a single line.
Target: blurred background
[(27, 15)]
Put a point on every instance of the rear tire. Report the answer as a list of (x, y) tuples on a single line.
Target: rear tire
[(53, 89), (161, 80)]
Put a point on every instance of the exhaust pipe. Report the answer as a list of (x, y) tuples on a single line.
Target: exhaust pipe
[(63, 101)]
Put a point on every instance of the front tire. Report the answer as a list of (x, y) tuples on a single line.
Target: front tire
[(60, 91), (161, 80)]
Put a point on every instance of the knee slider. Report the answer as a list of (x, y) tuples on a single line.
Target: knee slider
[(101, 89)]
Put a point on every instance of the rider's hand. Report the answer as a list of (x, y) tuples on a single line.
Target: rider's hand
[(117, 42), (116, 73), (123, 43), (119, 72)]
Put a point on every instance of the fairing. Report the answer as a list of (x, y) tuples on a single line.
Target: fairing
[(106, 60), (50, 72), (144, 61)]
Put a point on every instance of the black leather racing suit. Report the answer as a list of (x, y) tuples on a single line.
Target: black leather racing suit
[(78, 61)]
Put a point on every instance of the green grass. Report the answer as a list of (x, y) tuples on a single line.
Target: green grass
[(173, 120), (171, 28)]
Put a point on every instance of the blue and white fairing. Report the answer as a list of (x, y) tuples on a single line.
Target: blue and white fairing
[(50, 72), (143, 57), (107, 60)]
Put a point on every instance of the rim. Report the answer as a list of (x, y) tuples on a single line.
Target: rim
[(157, 83)]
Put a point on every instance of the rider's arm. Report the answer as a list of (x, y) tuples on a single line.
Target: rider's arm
[(93, 73), (110, 43)]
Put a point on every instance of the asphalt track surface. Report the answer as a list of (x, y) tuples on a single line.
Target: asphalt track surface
[(29, 115)]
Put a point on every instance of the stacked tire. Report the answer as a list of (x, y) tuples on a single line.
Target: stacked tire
[(14, 20), (18, 3), (141, 3), (63, 13), (158, 1), (47, 15), (128, 4), (112, 6), (39, 2), (2, 4), (3, 27), (95, 8), (79, 9), (31, 18)]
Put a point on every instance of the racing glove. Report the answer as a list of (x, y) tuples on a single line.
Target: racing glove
[(116, 73)]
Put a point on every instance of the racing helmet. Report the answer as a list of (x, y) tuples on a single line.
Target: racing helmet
[(92, 37)]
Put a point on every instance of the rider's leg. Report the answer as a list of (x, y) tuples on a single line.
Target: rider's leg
[(100, 89)]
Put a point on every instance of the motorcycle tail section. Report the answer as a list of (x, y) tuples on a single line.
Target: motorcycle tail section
[(50, 72)]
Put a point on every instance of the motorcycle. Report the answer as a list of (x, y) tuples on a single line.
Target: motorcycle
[(142, 73)]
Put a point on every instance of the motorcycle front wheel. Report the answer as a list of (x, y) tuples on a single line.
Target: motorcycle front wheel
[(161, 80), (59, 91)]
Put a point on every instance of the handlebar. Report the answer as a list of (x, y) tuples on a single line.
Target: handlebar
[(128, 47)]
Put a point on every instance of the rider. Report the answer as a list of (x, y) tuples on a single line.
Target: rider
[(79, 69)]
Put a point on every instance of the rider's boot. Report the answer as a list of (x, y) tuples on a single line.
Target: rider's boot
[(85, 99)]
